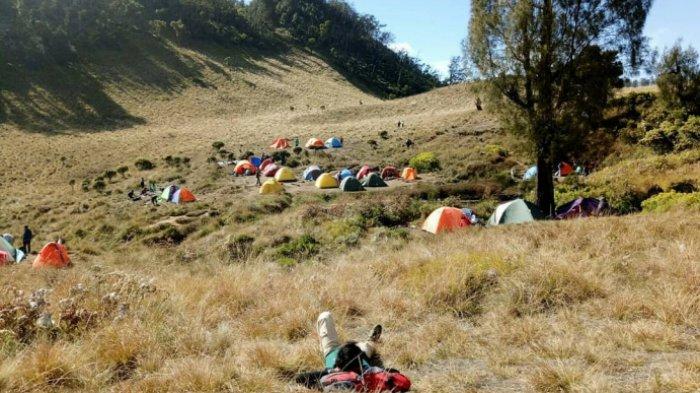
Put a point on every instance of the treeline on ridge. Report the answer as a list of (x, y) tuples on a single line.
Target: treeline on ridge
[(39, 32)]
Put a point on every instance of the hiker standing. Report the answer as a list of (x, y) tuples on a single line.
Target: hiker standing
[(143, 183), (478, 104), (296, 142), (257, 178), (27, 240)]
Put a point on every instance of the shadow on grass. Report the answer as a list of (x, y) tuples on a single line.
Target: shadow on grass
[(78, 96)]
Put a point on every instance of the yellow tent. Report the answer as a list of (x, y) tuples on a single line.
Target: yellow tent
[(326, 181), (285, 174), (271, 187)]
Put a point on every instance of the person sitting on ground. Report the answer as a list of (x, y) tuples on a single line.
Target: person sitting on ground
[(132, 195), (353, 366), (154, 200)]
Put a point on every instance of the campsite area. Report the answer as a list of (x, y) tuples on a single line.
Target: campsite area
[(477, 291)]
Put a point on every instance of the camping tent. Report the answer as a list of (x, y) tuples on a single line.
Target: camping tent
[(285, 174), (344, 173), (280, 144), (52, 255), (580, 207), (271, 170), (334, 143), (168, 192), (256, 161), (326, 181), (265, 163), (364, 171), (244, 166), (409, 174), (351, 184), (14, 254), (530, 173), (446, 219), (515, 212), (312, 173), (565, 169), (373, 180), (183, 195), (271, 186), (390, 172), (315, 144)]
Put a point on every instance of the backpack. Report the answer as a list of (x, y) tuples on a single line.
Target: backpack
[(373, 380)]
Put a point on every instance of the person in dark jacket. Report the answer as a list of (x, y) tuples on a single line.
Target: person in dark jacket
[(27, 240)]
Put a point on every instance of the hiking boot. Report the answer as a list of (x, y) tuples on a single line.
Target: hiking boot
[(376, 334)]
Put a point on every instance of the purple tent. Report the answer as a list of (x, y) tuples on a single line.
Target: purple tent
[(581, 207)]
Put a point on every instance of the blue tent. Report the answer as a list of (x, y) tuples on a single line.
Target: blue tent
[(334, 143), (343, 174), (312, 173), (530, 173), (256, 161)]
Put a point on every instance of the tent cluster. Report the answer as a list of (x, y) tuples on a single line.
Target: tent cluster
[(446, 219), (52, 255), (564, 169), (177, 195), (311, 144), (349, 181)]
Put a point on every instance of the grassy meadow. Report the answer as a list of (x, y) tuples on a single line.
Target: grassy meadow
[(222, 295)]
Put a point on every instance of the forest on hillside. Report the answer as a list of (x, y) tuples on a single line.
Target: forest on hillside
[(34, 33)]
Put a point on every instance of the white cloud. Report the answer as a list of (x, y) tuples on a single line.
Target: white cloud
[(442, 67), (402, 47)]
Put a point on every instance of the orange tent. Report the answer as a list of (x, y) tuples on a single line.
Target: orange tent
[(409, 174), (315, 143), (183, 195), (280, 144), (243, 166), (52, 255), (446, 219)]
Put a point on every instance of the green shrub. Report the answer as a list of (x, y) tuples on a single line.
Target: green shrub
[(240, 248), (425, 162), (99, 185), (304, 247), (122, 170), (497, 150), (666, 201), (676, 135), (218, 145), (144, 165)]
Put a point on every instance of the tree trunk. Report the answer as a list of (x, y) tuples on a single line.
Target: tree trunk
[(545, 184)]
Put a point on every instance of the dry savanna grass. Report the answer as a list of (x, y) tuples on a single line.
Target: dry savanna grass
[(222, 294)]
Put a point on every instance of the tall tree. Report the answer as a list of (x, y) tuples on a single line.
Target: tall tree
[(554, 64)]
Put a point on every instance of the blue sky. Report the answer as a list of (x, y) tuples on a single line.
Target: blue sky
[(432, 29)]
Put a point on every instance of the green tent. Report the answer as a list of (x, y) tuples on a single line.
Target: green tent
[(373, 180), (351, 184), (168, 192), (15, 254), (515, 212)]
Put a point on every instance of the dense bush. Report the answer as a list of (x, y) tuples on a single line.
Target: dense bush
[(425, 162), (675, 135), (670, 200), (144, 165)]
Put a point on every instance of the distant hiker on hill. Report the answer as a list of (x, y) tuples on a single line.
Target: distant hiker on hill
[(351, 366), (27, 240), (143, 183), (478, 104), (296, 142), (257, 178), (409, 143)]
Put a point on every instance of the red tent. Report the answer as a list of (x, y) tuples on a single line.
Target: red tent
[(280, 144), (52, 255)]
